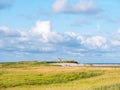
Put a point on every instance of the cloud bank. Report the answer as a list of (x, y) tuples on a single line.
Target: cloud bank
[(41, 39)]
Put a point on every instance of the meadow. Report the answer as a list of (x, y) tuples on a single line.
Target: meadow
[(43, 76)]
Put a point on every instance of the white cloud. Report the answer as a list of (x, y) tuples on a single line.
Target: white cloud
[(39, 38), (41, 27), (116, 43), (43, 30), (47, 49), (4, 29), (97, 41), (93, 42), (72, 34), (42, 39), (83, 6), (59, 5)]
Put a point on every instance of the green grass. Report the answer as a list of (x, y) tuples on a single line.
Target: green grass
[(32, 63), (12, 79), (42, 76), (22, 64)]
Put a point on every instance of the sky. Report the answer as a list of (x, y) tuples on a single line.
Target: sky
[(84, 30)]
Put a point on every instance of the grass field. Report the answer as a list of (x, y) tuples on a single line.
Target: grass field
[(42, 76)]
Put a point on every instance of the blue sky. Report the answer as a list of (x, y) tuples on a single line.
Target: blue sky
[(83, 30)]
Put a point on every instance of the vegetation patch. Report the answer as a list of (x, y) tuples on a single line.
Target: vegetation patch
[(36, 75), (33, 63), (15, 78), (22, 64)]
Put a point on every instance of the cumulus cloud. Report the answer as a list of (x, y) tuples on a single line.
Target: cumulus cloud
[(83, 7), (5, 4), (42, 39), (93, 42), (39, 39), (5, 31), (41, 27), (43, 30), (96, 42)]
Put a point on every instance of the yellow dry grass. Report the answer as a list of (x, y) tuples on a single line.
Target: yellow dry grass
[(109, 77)]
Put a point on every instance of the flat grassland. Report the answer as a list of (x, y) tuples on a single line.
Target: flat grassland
[(42, 76)]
